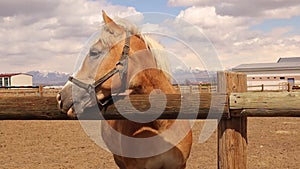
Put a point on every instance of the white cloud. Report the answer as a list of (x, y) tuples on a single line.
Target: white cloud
[(228, 25), (48, 35), (190, 2), (206, 17), (253, 8)]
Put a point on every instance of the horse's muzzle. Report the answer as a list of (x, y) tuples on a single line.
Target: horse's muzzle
[(66, 108), (65, 101)]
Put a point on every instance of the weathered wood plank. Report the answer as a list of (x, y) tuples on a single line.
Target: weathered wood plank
[(270, 113), (188, 106), (232, 132), (266, 100), (29, 108), (248, 104), (46, 107), (21, 92)]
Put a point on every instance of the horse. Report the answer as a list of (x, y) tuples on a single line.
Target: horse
[(123, 60)]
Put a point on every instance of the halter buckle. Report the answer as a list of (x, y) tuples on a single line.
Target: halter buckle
[(119, 63)]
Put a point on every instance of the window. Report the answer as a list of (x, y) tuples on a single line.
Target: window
[(275, 77), (268, 77), (282, 78), (1, 82), (6, 81), (291, 81), (253, 78), (260, 78)]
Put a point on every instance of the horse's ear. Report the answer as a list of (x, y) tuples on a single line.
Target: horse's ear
[(106, 18), (111, 25)]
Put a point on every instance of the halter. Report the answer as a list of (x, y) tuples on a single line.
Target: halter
[(121, 67)]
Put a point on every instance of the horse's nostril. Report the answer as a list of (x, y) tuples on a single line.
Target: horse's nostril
[(60, 105), (58, 97)]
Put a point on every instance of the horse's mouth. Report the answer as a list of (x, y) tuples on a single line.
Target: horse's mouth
[(71, 113), (76, 110), (67, 109)]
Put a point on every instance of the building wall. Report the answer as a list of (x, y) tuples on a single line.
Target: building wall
[(277, 81), (21, 80), (273, 72)]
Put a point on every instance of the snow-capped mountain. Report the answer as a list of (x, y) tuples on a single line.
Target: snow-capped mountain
[(48, 78), (181, 76)]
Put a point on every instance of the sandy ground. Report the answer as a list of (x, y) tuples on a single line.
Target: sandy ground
[(273, 143)]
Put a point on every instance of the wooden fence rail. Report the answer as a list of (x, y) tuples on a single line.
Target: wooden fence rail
[(24, 92), (30, 108), (267, 104), (184, 89), (198, 88), (283, 87)]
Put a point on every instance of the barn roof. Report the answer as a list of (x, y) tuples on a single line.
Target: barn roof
[(290, 59), (12, 74), (282, 64)]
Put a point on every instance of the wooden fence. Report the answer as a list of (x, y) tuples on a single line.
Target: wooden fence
[(183, 89), (250, 88), (200, 88), (277, 88), (237, 104), (34, 91), (48, 92)]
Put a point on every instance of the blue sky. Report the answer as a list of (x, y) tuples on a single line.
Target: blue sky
[(149, 6)]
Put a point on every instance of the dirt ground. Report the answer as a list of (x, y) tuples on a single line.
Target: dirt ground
[(273, 143)]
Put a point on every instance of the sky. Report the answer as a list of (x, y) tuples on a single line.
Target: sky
[(48, 35)]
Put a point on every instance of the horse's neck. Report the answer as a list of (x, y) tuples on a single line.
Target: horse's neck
[(145, 82), (152, 79)]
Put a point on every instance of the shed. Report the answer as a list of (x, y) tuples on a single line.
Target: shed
[(15, 79)]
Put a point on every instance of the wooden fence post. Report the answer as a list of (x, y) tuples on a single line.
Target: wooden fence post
[(191, 88), (200, 88), (41, 90), (232, 132)]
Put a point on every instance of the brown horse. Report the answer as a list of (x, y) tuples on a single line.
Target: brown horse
[(140, 69)]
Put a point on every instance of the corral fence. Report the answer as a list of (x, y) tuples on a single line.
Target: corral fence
[(182, 88), (28, 91), (196, 88), (276, 88), (232, 129), (48, 91)]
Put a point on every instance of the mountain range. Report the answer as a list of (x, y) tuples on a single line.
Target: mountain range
[(54, 78), (48, 78)]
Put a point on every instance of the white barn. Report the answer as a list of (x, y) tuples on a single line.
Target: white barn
[(15, 79), (274, 76)]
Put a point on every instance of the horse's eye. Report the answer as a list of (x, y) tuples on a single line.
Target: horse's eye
[(94, 52), (109, 31)]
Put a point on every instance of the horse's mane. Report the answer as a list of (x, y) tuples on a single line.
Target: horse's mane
[(156, 49)]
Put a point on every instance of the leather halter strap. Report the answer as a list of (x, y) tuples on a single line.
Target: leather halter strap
[(123, 62), (121, 67)]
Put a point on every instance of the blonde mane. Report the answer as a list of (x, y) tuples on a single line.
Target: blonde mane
[(156, 49)]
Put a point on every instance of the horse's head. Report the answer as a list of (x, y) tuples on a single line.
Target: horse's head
[(112, 65)]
